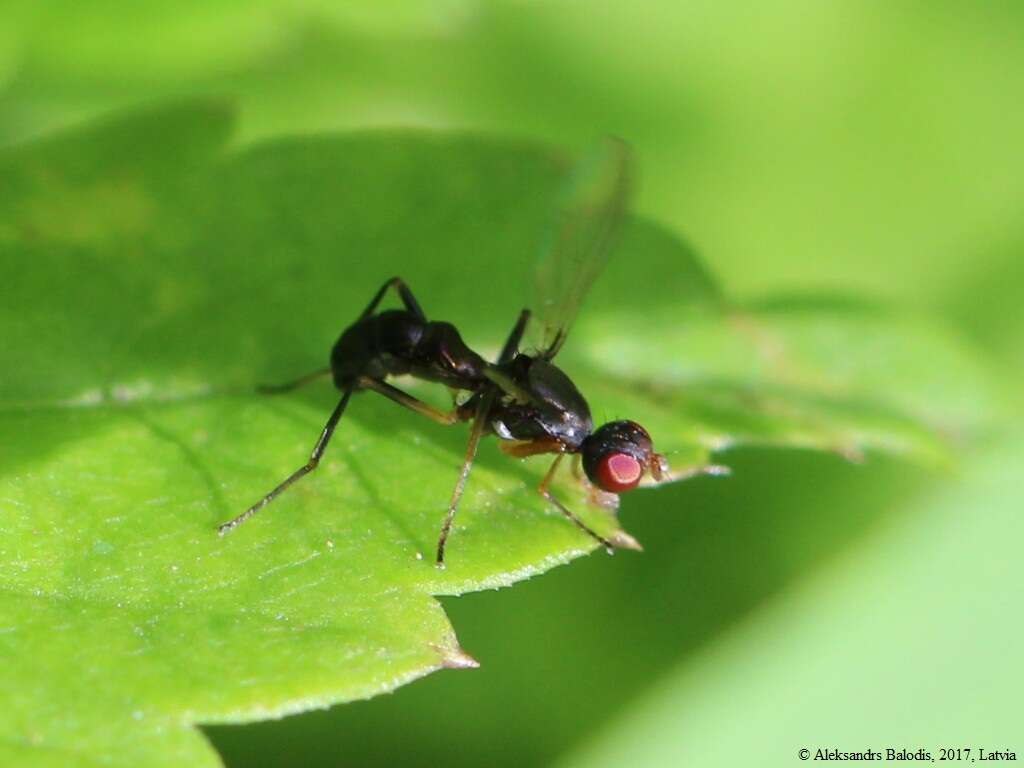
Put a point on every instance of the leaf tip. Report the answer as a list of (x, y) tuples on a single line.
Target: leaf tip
[(623, 540), (456, 658)]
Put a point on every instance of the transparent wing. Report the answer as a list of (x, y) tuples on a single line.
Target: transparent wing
[(588, 217)]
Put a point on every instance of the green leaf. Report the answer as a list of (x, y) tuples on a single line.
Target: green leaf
[(152, 278)]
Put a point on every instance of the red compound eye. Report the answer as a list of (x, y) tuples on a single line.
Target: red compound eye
[(618, 472)]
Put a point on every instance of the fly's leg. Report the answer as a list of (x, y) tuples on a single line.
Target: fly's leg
[(404, 294), (577, 467), (512, 343), (279, 389), (523, 448), (498, 377), (479, 422), (480, 418), (543, 490), (408, 300), (621, 538), (305, 469), (363, 382), (408, 401)]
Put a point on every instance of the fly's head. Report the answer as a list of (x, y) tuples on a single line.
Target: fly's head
[(617, 455)]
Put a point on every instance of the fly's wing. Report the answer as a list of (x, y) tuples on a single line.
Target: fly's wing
[(589, 215)]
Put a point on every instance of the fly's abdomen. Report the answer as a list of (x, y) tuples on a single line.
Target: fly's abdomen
[(377, 346)]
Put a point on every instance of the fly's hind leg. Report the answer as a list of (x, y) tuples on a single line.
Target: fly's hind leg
[(305, 469), (404, 294), (280, 389), (447, 418), (408, 300), (408, 401), (363, 382)]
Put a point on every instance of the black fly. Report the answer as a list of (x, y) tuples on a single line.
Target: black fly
[(523, 399)]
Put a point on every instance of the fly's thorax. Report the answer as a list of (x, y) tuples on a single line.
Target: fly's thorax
[(565, 410), (552, 387), (545, 404)]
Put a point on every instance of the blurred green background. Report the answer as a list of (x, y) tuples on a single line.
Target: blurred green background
[(862, 147)]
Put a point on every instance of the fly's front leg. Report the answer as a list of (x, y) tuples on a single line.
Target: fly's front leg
[(577, 467), (619, 539)]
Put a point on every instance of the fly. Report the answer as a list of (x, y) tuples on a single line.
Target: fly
[(523, 399)]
